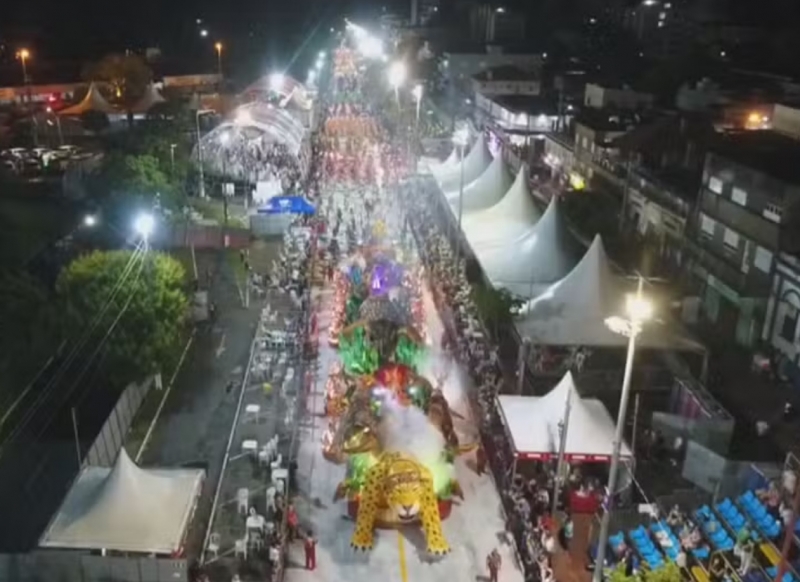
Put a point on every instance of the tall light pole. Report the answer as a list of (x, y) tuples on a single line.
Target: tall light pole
[(23, 55), (202, 185), (58, 125), (460, 139), (397, 76), (218, 48), (639, 311), (417, 93)]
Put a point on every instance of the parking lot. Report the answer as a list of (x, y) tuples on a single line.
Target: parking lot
[(40, 161)]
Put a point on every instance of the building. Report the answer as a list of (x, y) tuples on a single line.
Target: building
[(786, 120), (506, 80), (520, 116), (595, 131), (458, 68), (602, 96), (750, 187), (781, 329)]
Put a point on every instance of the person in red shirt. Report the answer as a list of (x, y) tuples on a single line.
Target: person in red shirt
[(292, 521), (493, 563), (310, 546)]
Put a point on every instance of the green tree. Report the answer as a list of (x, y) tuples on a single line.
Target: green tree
[(496, 306), (147, 315), (128, 76)]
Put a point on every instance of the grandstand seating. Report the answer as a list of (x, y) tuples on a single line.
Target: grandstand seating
[(646, 548), (672, 550), (713, 530), (734, 518), (758, 513)]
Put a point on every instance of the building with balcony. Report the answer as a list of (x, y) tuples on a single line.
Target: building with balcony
[(744, 216), (518, 117), (595, 132), (506, 80), (603, 96), (782, 321)]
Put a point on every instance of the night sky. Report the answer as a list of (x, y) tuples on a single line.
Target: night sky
[(258, 34)]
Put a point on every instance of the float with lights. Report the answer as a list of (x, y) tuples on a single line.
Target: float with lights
[(391, 427)]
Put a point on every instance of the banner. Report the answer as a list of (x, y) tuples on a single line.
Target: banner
[(287, 205)]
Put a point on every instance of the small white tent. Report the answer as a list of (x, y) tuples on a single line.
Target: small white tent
[(542, 256), (473, 165), (126, 509), (151, 97), (486, 191), (507, 220), (93, 101), (574, 310), (533, 425)]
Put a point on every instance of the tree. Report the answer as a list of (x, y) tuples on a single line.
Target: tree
[(496, 306), (145, 322), (128, 75)]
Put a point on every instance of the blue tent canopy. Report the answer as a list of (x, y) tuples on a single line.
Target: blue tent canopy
[(287, 205)]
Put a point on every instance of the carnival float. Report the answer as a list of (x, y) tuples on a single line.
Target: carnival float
[(390, 426)]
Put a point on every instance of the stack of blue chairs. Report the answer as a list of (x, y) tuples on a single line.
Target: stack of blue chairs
[(713, 529), (734, 518), (772, 571), (661, 526), (646, 548), (615, 541), (760, 516)]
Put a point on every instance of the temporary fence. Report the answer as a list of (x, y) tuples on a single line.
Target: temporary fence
[(76, 566)]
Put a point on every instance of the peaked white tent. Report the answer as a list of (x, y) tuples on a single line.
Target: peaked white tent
[(93, 101), (507, 220), (473, 165), (126, 509), (533, 425), (544, 255), (151, 97), (573, 310), (486, 191)]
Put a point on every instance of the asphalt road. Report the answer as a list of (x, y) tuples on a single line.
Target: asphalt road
[(197, 416)]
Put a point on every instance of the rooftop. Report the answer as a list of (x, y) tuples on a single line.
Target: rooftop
[(531, 104), (766, 151), (505, 73), (610, 119)]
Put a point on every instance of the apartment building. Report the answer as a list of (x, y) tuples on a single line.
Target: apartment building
[(750, 186)]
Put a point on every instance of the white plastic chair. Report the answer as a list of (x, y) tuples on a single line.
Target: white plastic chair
[(271, 492), (240, 548), (213, 544), (243, 501)]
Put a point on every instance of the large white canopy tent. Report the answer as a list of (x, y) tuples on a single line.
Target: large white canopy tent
[(487, 190), (126, 509), (151, 97), (507, 220), (544, 255), (533, 425), (573, 311), (93, 101), (473, 165)]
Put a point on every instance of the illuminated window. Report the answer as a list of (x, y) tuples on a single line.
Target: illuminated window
[(731, 239), (773, 212), (715, 185), (763, 259), (739, 196), (707, 225)]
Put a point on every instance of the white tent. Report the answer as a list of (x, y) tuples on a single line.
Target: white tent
[(473, 165), (540, 257), (573, 311), (533, 425), (507, 220), (93, 101), (151, 97), (126, 509), (441, 168), (486, 191)]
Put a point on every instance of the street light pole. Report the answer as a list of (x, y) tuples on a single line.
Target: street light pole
[(638, 311), (202, 185), (218, 48)]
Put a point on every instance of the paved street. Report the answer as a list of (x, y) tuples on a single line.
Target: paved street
[(197, 416)]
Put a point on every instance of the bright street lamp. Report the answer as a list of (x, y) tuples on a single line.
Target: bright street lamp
[(225, 138), (89, 220), (144, 225), (218, 48), (639, 310), (23, 55), (322, 54), (397, 76), (204, 33), (370, 47), (276, 81)]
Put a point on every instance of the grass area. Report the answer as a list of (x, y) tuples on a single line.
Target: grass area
[(29, 223), (213, 209)]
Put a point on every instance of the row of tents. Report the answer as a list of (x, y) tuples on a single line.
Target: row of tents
[(534, 255), (94, 101)]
